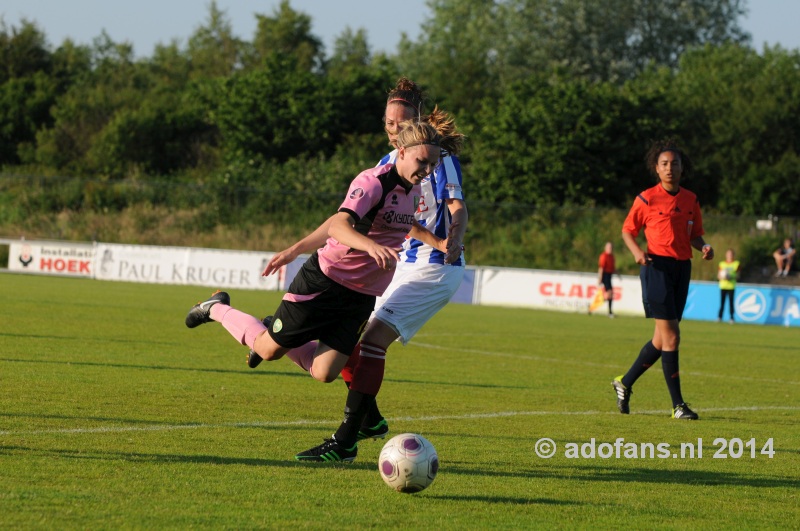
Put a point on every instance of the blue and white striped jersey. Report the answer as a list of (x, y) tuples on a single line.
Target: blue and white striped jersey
[(432, 213)]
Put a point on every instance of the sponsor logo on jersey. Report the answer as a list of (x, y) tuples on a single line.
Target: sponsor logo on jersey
[(358, 193), (391, 217)]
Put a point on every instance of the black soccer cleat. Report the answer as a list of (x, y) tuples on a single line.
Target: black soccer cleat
[(253, 359), (623, 395), (682, 411), (329, 451), (201, 312), (378, 431)]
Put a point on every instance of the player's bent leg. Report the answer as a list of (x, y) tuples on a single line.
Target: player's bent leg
[(266, 348), (328, 363), (253, 359), (350, 366)]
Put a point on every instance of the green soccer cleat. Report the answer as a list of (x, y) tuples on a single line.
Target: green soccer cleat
[(378, 431), (329, 451)]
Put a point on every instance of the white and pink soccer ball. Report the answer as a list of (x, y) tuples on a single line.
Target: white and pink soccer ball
[(408, 463)]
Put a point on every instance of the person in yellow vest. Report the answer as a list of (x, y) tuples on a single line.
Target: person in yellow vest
[(727, 274)]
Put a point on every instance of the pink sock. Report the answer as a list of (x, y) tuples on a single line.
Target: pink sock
[(243, 327), (303, 356)]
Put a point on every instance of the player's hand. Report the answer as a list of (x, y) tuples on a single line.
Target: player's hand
[(385, 257), (642, 258), (453, 250), (708, 252), (278, 260), (453, 246)]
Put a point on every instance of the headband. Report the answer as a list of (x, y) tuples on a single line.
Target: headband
[(401, 100), (423, 143)]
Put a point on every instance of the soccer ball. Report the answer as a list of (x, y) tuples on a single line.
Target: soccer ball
[(408, 463)]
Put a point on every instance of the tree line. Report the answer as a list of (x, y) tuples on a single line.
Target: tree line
[(558, 98)]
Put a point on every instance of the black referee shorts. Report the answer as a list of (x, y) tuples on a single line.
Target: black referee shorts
[(336, 315), (665, 287), (607, 281)]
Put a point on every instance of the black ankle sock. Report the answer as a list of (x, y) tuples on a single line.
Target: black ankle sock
[(647, 357), (356, 408), (373, 415), (669, 362)]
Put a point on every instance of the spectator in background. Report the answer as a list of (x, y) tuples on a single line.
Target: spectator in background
[(606, 268), (727, 273), (784, 256)]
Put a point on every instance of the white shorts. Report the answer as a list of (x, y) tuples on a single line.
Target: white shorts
[(416, 293)]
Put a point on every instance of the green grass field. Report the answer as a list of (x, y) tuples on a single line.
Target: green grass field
[(114, 415)]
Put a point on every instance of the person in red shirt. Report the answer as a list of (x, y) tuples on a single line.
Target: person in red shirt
[(673, 224), (606, 268)]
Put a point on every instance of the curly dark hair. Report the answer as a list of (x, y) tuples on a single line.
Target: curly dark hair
[(667, 144)]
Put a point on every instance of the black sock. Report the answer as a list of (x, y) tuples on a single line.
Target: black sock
[(356, 408), (647, 357), (669, 362), (373, 415)]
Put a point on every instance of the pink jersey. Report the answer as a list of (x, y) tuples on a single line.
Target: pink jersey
[(384, 212)]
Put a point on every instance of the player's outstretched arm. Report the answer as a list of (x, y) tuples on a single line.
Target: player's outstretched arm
[(310, 243)]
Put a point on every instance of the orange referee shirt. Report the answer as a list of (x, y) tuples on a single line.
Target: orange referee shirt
[(606, 263), (670, 222)]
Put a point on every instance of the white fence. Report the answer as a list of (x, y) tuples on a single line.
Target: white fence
[(498, 286)]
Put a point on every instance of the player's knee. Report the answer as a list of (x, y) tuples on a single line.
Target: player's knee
[(324, 376), (270, 356), (265, 347), (267, 353), (672, 343)]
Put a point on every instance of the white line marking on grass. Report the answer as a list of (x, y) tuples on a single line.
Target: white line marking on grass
[(603, 365), (278, 424), (171, 427)]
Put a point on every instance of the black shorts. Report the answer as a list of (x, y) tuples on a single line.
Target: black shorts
[(336, 316), (607, 281), (665, 287)]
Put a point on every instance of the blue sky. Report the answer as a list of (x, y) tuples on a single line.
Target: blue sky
[(144, 23)]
